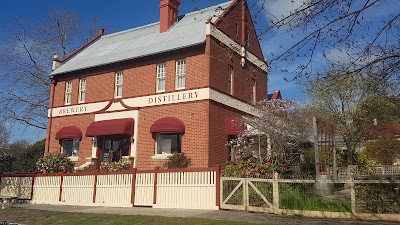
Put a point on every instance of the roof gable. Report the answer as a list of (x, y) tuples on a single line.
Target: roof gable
[(142, 41)]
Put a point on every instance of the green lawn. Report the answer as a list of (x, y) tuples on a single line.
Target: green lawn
[(33, 217)]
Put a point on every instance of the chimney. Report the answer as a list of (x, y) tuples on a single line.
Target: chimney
[(168, 13), (101, 31), (56, 63)]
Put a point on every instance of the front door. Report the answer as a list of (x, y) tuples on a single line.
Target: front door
[(114, 147)]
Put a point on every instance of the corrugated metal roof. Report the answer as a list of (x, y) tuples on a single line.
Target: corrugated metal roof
[(142, 41)]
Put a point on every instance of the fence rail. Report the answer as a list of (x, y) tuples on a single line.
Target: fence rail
[(361, 199)]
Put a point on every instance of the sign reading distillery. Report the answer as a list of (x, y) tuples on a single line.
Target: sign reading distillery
[(173, 97)]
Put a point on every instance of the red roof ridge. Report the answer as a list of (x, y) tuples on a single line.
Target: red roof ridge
[(101, 33)]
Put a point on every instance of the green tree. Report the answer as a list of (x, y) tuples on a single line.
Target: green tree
[(337, 97), (384, 150), (26, 162), (383, 109)]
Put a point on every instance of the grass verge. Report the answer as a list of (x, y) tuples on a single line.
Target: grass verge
[(34, 217)]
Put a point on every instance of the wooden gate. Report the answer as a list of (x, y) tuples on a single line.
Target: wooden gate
[(252, 194)]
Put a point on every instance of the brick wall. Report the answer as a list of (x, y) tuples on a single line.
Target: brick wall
[(80, 121), (194, 142), (221, 58), (139, 77), (218, 150), (231, 19)]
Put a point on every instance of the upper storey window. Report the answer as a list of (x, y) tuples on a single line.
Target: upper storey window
[(180, 74), (82, 90), (68, 92), (161, 77), (253, 91), (230, 80), (118, 84)]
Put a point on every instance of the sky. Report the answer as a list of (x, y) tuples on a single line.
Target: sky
[(120, 15)]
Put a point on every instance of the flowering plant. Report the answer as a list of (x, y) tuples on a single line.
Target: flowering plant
[(54, 163), (124, 164)]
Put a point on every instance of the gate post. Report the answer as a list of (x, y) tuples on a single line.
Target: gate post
[(246, 193), (218, 185), (155, 185), (353, 196), (61, 186), (275, 192), (94, 188)]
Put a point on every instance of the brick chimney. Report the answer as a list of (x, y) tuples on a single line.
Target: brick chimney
[(168, 13)]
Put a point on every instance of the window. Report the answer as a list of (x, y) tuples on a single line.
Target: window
[(68, 92), (82, 90), (168, 143), (180, 74), (118, 84), (160, 77), (70, 147), (253, 91), (237, 30), (230, 79)]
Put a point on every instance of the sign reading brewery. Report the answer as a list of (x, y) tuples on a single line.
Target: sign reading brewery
[(151, 100)]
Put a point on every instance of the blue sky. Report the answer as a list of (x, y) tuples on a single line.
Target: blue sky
[(125, 14), (114, 16)]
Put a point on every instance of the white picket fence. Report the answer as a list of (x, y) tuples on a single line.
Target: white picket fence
[(187, 190), (16, 186), (156, 188)]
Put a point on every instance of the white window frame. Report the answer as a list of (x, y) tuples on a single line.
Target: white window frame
[(82, 90), (68, 92), (119, 80), (161, 77), (180, 74), (165, 155), (230, 80), (72, 157)]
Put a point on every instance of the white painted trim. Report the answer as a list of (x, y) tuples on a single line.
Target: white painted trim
[(232, 102), (226, 40), (74, 158), (161, 156), (154, 100), (144, 101)]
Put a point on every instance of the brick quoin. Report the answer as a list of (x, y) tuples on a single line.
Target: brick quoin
[(205, 138)]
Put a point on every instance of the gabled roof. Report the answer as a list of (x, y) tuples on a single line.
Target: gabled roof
[(147, 40), (375, 131), (276, 95)]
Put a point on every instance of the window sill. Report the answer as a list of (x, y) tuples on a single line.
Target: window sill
[(74, 158), (161, 156), (160, 91), (181, 88)]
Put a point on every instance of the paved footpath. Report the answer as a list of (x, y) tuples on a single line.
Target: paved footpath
[(228, 215)]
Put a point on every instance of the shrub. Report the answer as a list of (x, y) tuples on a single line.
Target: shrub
[(123, 164), (55, 163), (254, 168), (177, 160)]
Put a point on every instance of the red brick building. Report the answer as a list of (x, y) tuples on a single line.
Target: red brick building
[(168, 87)]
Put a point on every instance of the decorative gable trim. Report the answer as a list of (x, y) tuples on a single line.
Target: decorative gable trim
[(236, 47)]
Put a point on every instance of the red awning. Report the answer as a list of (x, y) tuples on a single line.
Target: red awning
[(233, 126), (110, 127), (71, 132), (168, 124)]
